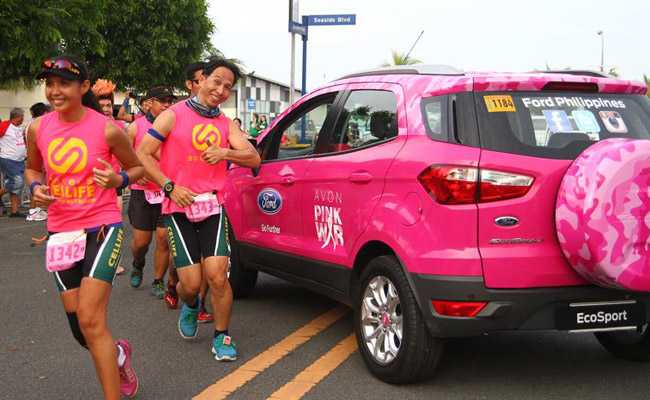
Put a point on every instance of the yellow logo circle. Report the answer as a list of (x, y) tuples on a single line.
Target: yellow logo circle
[(67, 156), (201, 135)]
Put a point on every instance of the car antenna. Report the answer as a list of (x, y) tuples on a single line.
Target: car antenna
[(412, 47)]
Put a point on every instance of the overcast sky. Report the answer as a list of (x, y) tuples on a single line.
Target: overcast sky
[(475, 35)]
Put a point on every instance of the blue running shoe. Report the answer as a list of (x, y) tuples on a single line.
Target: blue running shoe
[(224, 348), (136, 274), (187, 323), (158, 289)]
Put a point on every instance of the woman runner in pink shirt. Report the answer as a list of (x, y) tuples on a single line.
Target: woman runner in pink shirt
[(75, 145)]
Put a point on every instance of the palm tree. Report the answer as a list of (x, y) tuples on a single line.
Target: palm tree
[(400, 59), (213, 52)]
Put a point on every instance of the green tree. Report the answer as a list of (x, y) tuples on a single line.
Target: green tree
[(398, 58), (152, 41), (135, 44), (646, 79), (32, 31)]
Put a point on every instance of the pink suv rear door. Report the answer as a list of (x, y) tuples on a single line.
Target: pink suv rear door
[(270, 203), (345, 181)]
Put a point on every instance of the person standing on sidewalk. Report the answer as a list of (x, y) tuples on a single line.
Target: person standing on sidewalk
[(75, 144), (35, 213), (12, 158), (145, 205), (196, 141)]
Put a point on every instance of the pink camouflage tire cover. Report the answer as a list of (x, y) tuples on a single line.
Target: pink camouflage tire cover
[(602, 214)]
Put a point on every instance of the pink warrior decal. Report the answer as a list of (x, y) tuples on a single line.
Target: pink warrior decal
[(602, 216)]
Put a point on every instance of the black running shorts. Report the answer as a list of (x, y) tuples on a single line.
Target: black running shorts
[(188, 241), (144, 216), (103, 255)]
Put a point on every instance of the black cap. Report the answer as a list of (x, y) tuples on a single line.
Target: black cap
[(160, 92), (63, 67)]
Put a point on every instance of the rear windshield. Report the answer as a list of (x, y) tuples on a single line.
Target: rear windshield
[(558, 124)]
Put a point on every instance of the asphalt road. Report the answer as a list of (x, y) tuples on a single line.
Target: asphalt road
[(39, 359)]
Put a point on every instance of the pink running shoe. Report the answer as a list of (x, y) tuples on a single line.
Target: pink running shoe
[(128, 379)]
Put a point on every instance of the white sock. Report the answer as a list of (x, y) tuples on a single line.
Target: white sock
[(121, 356)]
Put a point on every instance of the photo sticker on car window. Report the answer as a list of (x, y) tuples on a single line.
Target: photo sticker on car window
[(586, 121), (501, 103), (557, 121), (613, 121)]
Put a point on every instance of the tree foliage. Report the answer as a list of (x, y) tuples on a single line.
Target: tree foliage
[(398, 58), (134, 44), (32, 31), (646, 79)]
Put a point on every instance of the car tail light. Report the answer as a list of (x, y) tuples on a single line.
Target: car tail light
[(454, 184), (450, 184), (497, 185), (571, 86), (458, 308)]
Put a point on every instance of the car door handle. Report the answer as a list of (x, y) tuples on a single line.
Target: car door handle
[(360, 177), (288, 180)]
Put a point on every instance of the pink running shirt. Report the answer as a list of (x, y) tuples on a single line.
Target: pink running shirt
[(143, 126), (181, 153), (70, 152)]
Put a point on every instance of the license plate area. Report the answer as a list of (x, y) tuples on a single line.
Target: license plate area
[(601, 316)]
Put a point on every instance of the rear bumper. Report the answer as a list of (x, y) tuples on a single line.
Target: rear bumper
[(507, 309)]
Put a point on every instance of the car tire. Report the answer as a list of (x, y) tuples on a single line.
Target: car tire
[(629, 345), (242, 279), (411, 357)]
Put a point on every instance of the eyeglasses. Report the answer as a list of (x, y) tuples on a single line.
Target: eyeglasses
[(49, 65), (167, 100)]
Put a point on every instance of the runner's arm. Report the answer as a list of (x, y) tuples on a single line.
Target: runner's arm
[(241, 151), (150, 146), (119, 144), (34, 169)]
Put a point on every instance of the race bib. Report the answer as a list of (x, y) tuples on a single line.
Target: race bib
[(64, 250), (154, 196), (204, 206)]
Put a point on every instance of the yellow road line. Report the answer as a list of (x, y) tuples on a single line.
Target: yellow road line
[(270, 356), (307, 379)]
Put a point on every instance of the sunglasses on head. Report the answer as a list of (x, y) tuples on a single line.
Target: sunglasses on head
[(49, 65)]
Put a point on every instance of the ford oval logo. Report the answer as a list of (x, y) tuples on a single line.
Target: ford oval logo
[(506, 221), (269, 201)]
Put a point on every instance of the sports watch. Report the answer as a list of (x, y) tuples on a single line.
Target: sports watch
[(168, 187)]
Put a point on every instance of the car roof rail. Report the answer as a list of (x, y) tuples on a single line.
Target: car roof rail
[(418, 69), (583, 72)]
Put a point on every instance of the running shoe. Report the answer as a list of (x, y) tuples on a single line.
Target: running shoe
[(128, 378), (17, 214), (224, 348), (158, 289), (37, 215), (171, 297), (187, 324), (204, 316), (136, 274)]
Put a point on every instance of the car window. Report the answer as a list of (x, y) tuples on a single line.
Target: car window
[(558, 124), (434, 112), (300, 135), (368, 117)]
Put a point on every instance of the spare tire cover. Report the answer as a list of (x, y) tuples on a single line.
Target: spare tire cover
[(602, 214)]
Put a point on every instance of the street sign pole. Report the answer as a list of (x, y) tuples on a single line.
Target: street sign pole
[(303, 123)]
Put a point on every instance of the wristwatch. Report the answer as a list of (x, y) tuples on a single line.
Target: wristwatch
[(168, 187)]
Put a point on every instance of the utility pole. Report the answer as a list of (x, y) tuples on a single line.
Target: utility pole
[(602, 50)]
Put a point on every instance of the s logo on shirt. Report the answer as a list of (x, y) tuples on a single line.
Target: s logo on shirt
[(201, 135), (67, 155)]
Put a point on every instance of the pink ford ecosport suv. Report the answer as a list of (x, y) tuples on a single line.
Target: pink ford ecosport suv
[(443, 204)]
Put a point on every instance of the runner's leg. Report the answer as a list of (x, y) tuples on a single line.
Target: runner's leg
[(91, 312)]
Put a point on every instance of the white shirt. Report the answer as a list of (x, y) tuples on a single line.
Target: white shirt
[(12, 143)]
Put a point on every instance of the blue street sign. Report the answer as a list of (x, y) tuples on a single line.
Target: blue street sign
[(295, 27), (251, 104), (336, 19)]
